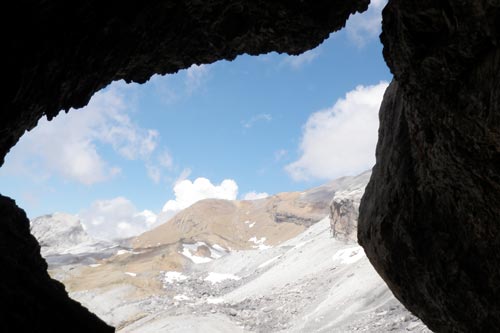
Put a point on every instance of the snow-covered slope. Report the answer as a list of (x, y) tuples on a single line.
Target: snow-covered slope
[(310, 283)]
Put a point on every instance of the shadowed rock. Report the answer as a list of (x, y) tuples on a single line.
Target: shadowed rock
[(430, 217), (31, 300)]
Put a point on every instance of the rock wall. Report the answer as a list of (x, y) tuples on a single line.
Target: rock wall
[(430, 217), (344, 207), (344, 219)]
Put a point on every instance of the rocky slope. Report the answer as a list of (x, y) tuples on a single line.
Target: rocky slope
[(253, 223), (303, 280), (310, 283)]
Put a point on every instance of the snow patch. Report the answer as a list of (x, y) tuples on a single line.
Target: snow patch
[(349, 255), (219, 248), (219, 277), (131, 274), (173, 276), (215, 300), (259, 243), (186, 251), (95, 265), (250, 224)]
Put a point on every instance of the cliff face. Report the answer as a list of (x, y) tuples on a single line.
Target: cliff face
[(429, 219), (344, 207)]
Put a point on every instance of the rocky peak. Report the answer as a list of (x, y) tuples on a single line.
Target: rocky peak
[(344, 207)]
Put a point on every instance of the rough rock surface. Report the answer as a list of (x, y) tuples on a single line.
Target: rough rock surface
[(344, 207), (430, 217), (31, 300), (58, 232)]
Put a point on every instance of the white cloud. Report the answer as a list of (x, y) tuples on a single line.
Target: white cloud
[(260, 117), (341, 140), (255, 196), (187, 193), (115, 218), (68, 145), (362, 27), (298, 61), (195, 75)]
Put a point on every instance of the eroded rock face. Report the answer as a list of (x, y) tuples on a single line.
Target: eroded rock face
[(430, 217), (344, 219), (344, 207), (31, 300)]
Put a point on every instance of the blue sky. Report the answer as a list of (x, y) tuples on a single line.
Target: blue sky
[(268, 124)]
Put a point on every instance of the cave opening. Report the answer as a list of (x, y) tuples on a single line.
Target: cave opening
[(428, 220), (94, 179)]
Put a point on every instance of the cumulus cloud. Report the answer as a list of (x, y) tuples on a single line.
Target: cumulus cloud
[(115, 218), (341, 140), (365, 26), (260, 117), (255, 196), (187, 193), (68, 145), (298, 61)]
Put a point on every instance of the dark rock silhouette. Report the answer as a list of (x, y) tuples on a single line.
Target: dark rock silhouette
[(31, 300), (430, 217)]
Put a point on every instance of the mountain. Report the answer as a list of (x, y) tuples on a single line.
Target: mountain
[(268, 265), (63, 240), (309, 283), (253, 223)]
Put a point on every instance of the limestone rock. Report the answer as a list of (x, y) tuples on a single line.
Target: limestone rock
[(344, 207)]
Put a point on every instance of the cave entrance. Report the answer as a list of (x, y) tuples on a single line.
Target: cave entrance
[(139, 154)]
